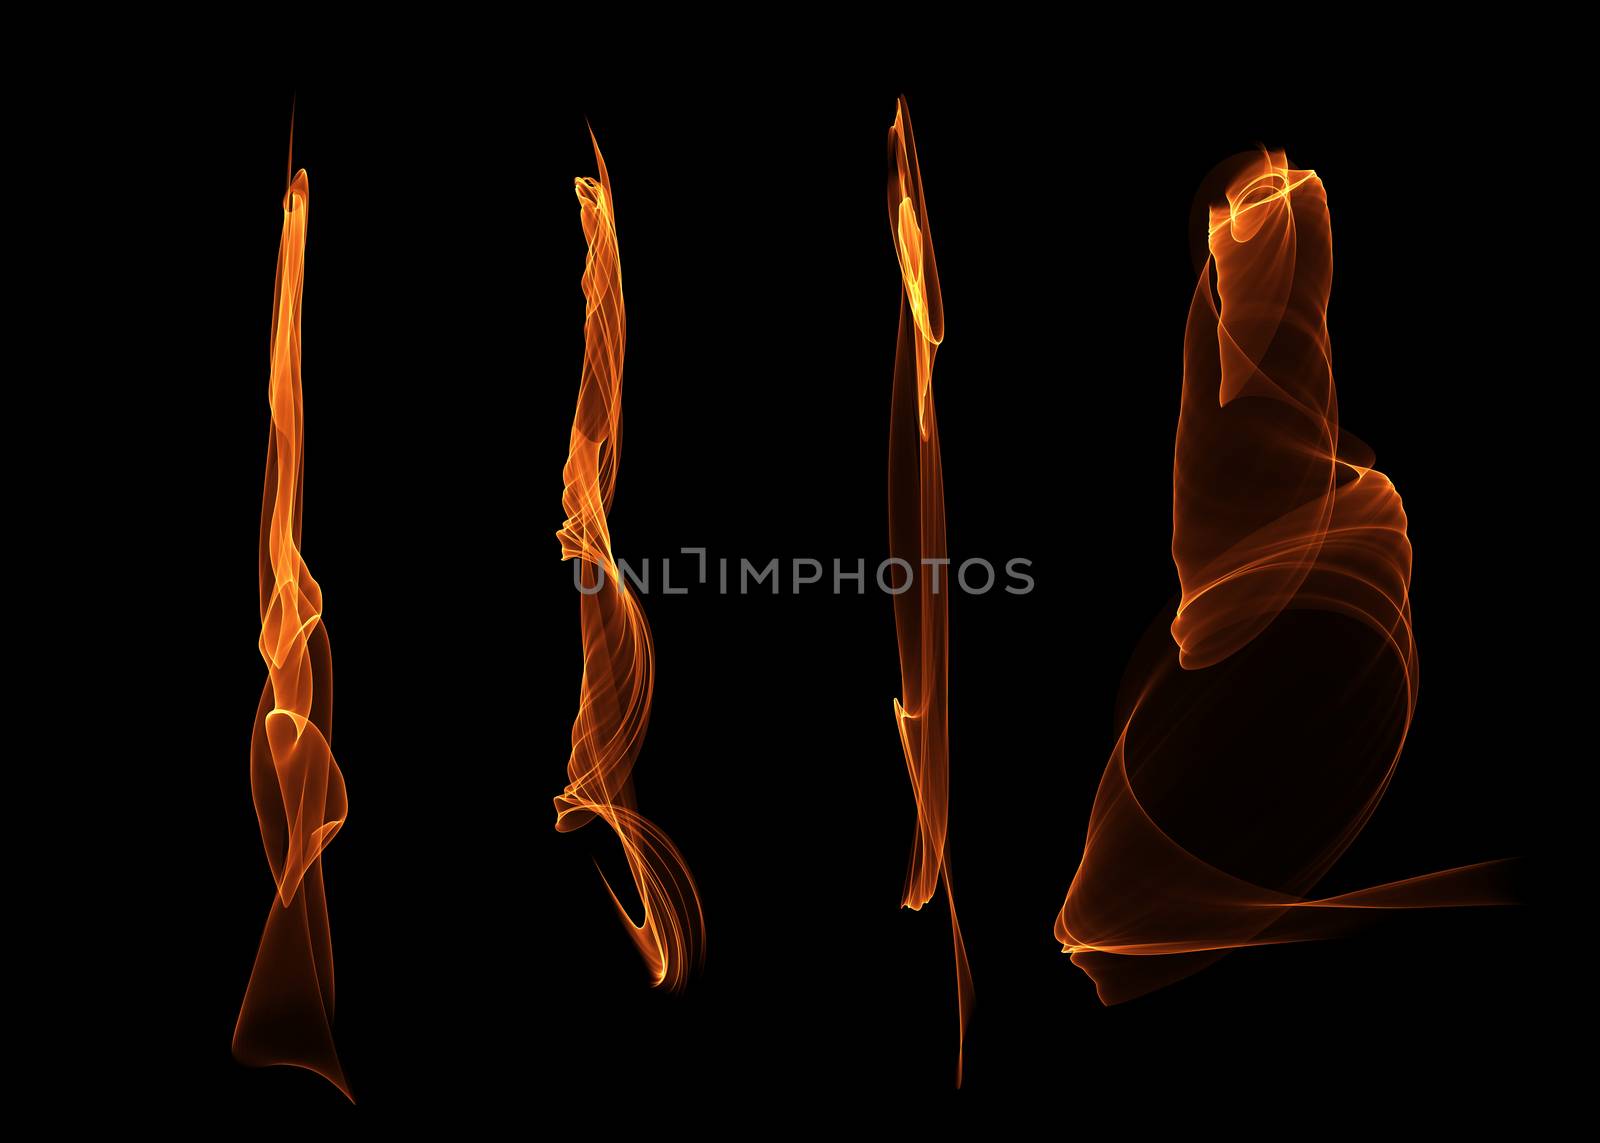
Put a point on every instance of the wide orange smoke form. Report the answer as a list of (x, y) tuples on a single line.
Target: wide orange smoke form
[(299, 794), (917, 537), (618, 658), (1258, 738)]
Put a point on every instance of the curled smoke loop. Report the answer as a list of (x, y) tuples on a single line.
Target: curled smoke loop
[(618, 656)]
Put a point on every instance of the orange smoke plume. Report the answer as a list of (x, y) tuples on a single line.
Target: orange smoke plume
[(618, 658), (299, 794), (1259, 738), (917, 537)]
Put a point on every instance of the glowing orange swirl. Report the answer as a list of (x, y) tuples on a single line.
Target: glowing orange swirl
[(1259, 738), (299, 793)]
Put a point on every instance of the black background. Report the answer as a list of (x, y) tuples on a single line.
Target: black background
[(479, 961)]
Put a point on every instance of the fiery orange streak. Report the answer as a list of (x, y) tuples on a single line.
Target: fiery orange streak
[(916, 534), (618, 657), (1274, 510), (299, 794)]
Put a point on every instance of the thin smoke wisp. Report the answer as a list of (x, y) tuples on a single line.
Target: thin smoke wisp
[(917, 538)]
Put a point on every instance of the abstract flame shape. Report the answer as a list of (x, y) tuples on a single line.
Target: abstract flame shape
[(618, 657), (917, 537), (299, 793), (1259, 738)]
